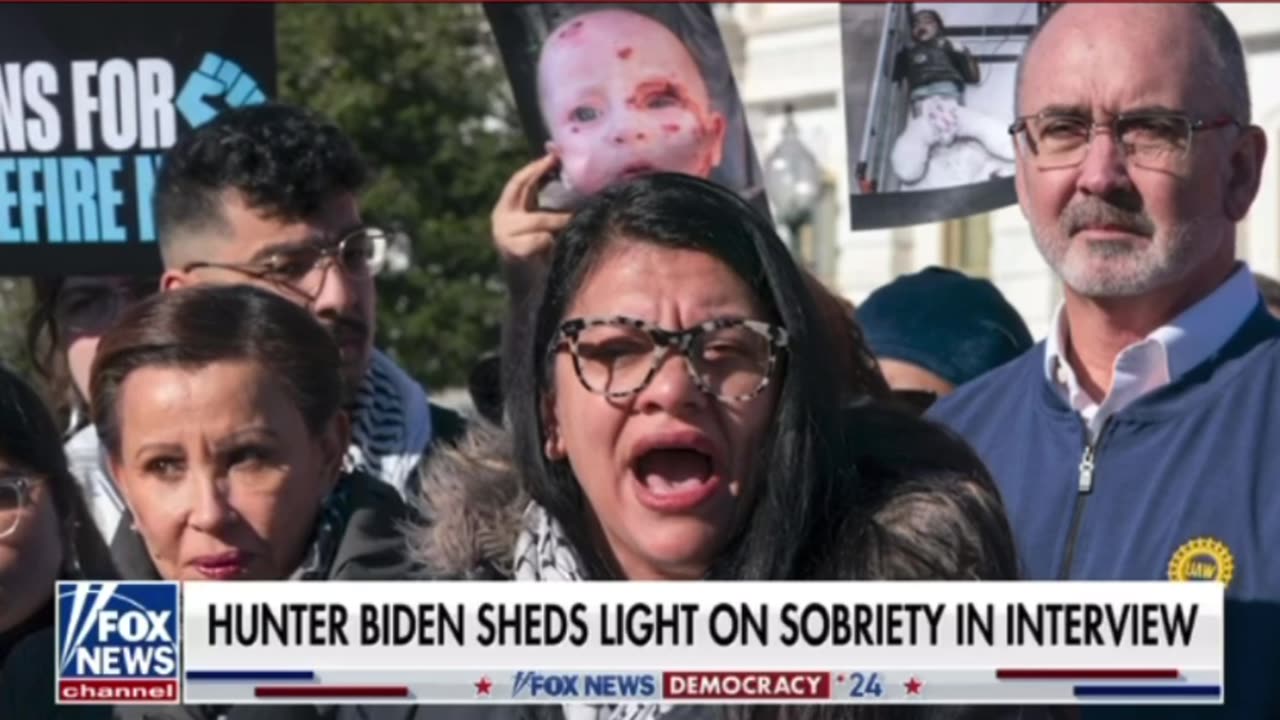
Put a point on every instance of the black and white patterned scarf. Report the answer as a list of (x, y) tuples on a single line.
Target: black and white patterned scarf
[(544, 554), (390, 426), (317, 560)]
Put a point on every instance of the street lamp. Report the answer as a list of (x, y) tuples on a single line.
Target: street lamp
[(793, 180)]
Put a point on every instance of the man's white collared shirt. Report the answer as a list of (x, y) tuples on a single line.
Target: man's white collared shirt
[(1158, 359)]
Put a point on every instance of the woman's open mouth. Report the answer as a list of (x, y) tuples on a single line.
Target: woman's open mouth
[(675, 474)]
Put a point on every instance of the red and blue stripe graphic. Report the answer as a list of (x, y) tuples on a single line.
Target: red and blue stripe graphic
[(1104, 682), (305, 687)]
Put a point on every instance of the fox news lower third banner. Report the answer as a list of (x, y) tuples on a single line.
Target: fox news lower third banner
[(704, 642)]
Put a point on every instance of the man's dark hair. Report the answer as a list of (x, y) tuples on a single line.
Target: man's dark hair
[(285, 161), (928, 508), (198, 326)]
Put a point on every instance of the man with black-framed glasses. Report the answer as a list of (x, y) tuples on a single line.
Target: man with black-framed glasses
[(1138, 442), (268, 195)]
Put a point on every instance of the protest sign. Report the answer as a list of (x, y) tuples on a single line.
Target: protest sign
[(621, 90), (90, 98), (929, 97)]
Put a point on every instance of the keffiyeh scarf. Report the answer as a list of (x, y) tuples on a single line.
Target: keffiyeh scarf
[(390, 426), (544, 554), (317, 560)]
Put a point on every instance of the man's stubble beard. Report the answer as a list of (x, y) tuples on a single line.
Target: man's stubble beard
[(1161, 259)]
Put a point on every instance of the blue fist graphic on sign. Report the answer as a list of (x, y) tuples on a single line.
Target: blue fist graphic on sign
[(216, 77)]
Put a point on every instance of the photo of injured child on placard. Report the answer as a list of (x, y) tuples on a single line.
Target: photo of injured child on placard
[(929, 110), (615, 92), (945, 142)]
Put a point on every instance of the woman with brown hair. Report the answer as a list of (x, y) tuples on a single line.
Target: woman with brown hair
[(219, 410)]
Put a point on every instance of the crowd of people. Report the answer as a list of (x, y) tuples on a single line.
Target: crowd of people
[(675, 397)]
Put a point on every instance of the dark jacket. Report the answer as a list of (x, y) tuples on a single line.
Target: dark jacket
[(447, 426), (27, 650), (26, 683), (911, 471), (473, 500), (925, 63), (14, 636), (1182, 484), (362, 542)]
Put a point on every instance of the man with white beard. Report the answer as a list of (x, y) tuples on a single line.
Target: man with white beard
[(1138, 442)]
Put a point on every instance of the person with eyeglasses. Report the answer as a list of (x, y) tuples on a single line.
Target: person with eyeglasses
[(1138, 441), (71, 314), (524, 236), (677, 417), (268, 195), (675, 410), (46, 535)]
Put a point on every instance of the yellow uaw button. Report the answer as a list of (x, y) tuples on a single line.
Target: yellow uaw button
[(1202, 558)]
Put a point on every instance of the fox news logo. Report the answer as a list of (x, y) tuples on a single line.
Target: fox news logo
[(117, 642), (589, 685)]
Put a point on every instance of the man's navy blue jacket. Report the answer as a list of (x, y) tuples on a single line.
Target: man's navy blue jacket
[(1185, 484)]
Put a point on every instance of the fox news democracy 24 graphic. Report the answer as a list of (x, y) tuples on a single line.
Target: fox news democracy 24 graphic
[(706, 642), (117, 642)]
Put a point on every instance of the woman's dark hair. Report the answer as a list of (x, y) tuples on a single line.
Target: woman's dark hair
[(926, 509), (30, 440), (484, 384), (46, 343), (794, 465), (856, 365), (195, 327)]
